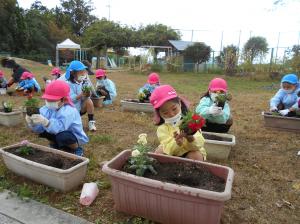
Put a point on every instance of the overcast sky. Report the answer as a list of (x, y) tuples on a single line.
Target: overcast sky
[(208, 18)]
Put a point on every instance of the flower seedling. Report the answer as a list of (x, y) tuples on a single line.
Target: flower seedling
[(86, 89), (139, 161), (221, 99), (191, 123), (7, 106), (144, 96), (25, 150), (32, 106)]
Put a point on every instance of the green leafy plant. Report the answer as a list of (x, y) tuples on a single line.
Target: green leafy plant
[(221, 99), (139, 161), (32, 106), (191, 123), (144, 96), (25, 150), (7, 106), (86, 89)]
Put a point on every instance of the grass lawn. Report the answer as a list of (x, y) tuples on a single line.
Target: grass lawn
[(265, 161)]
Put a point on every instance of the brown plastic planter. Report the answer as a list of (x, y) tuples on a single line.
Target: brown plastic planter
[(128, 105), (281, 123), (97, 101), (165, 202)]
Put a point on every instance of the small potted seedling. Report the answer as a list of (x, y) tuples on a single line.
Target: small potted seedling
[(86, 90), (7, 106), (32, 106), (144, 96), (25, 150), (221, 99)]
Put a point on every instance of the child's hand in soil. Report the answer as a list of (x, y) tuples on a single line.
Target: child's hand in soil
[(178, 138)]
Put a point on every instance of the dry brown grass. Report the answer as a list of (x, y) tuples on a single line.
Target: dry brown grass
[(265, 162)]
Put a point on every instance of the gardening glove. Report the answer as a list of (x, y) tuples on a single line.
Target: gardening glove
[(39, 119), (273, 109), (28, 120), (284, 112), (214, 110)]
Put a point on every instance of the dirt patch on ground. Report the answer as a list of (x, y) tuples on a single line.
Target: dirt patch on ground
[(47, 158)]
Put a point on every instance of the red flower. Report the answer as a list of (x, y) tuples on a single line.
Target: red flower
[(196, 117), (193, 126)]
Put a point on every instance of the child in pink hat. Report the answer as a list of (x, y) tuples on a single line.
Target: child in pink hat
[(3, 81), (59, 121), (28, 84), (105, 87), (218, 118), (55, 73), (169, 109), (146, 91)]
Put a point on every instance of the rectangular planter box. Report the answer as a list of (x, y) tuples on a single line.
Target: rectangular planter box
[(11, 119), (63, 180), (281, 123), (165, 202), (218, 149), (127, 105), (3, 91), (97, 101)]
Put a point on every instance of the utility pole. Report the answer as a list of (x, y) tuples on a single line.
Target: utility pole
[(277, 47), (192, 35), (108, 6)]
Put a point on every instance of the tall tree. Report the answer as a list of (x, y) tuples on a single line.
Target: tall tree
[(79, 12), (13, 28), (255, 47), (198, 52), (157, 34), (228, 59)]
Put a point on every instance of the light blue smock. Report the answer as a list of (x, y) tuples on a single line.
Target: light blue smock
[(110, 87), (287, 99)]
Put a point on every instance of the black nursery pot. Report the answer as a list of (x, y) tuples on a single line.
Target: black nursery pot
[(220, 104), (32, 110)]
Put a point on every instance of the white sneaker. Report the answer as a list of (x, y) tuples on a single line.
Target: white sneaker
[(92, 126)]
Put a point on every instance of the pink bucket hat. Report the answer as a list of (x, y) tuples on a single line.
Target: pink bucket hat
[(1, 74), (217, 84), (27, 75), (153, 78), (161, 95), (56, 90), (100, 73), (55, 71)]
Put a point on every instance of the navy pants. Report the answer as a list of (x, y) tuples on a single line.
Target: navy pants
[(61, 140)]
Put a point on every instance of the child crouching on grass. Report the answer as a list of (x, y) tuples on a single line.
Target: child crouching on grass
[(3, 81), (28, 85), (169, 109), (59, 121)]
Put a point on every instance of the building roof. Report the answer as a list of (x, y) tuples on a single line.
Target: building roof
[(180, 45)]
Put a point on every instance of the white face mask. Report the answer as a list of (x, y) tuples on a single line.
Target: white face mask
[(213, 96), (52, 105), (288, 91), (81, 78), (174, 120)]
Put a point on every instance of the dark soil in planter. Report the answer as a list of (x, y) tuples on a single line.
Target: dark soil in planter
[(216, 138), (32, 110), (137, 101), (48, 158), (5, 110), (187, 174)]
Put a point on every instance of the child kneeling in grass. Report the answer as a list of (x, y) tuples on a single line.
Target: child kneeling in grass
[(217, 117), (59, 121), (169, 109), (285, 100)]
